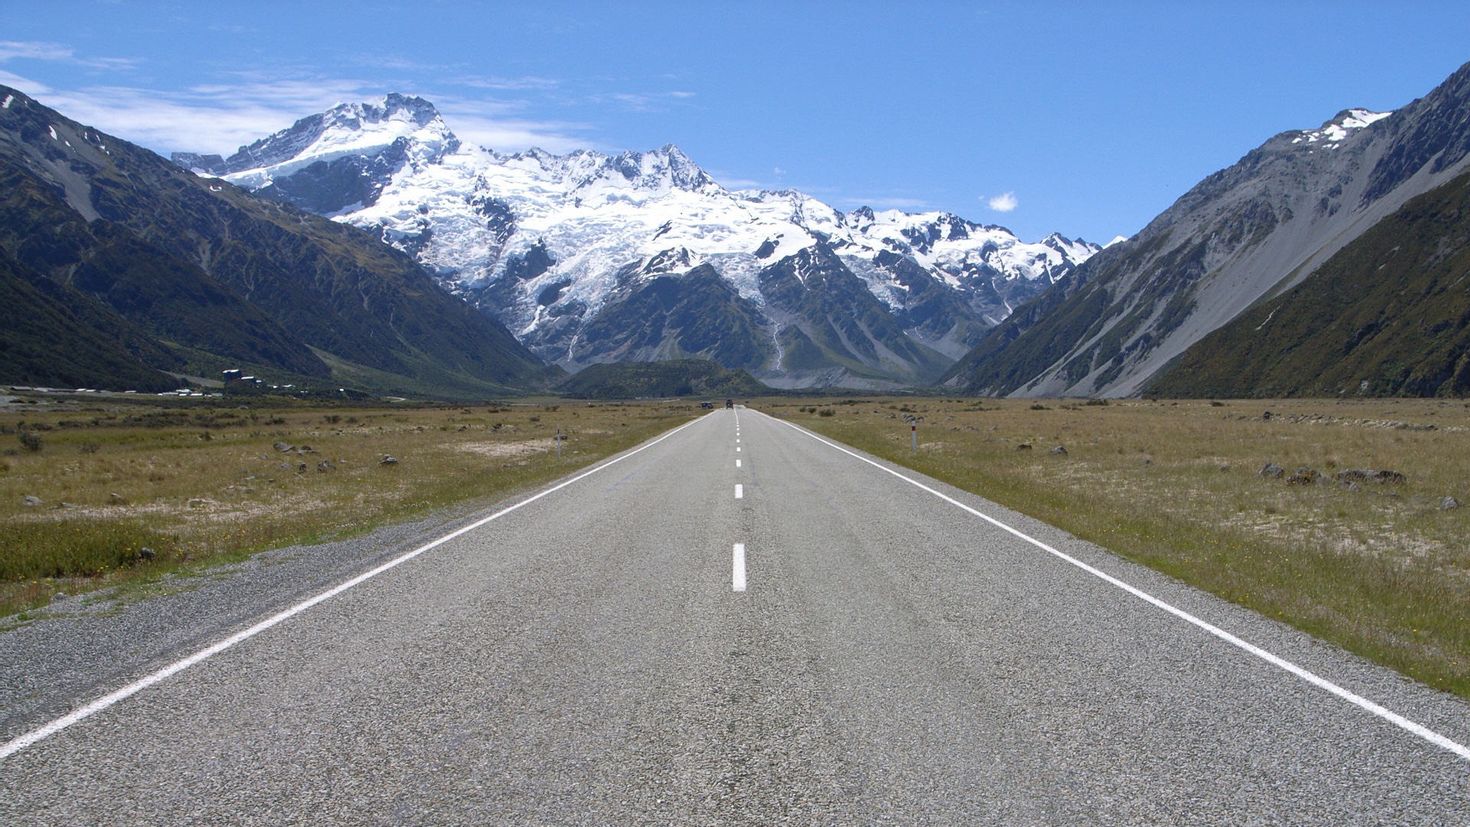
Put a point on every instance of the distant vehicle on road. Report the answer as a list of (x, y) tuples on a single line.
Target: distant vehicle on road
[(729, 403), (706, 404)]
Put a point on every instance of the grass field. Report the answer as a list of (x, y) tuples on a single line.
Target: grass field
[(1381, 568), (129, 492), (1378, 567)]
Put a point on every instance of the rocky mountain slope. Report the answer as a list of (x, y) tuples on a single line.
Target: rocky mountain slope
[(211, 274), (590, 258), (1389, 315), (1246, 233)]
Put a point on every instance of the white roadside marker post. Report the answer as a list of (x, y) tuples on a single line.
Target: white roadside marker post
[(914, 437)]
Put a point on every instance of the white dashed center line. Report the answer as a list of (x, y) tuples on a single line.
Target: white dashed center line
[(739, 491), (737, 463), (737, 568)]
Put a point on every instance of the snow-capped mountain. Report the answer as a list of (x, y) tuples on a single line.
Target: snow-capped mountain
[(557, 247)]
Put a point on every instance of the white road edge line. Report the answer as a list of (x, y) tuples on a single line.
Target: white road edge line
[(1275, 660), (737, 568), (41, 733)]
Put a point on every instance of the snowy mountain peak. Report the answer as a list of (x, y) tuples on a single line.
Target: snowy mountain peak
[(407, 128), (394, 108), (660, 169), (1332, 133), (653, 171), (548, 243)]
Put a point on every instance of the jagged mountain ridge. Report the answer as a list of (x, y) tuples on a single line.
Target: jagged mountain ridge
[(549, 244), (210, 273), (1244, 234)]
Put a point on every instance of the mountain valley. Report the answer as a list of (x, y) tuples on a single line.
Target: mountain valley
[(592, 258)]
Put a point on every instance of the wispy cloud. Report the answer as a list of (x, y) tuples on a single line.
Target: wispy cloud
[(1005, 202), (643, 101), (60, 53), (223, 115), (514, 134), (226, 110), (33, 50), (501, 84), (215, 117)]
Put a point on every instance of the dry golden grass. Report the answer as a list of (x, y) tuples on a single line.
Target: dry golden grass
[(205, 483), (1382, 570)]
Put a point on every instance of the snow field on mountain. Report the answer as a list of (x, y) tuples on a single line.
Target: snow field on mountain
[(544, 242)]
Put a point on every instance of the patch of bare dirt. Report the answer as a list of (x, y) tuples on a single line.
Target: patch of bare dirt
[(503, 450)]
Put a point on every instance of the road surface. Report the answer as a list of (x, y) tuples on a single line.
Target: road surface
[(737, 623)]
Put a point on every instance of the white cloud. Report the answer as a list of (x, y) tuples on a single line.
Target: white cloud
[(60, 53), (203, 118), (223, 116), (643, 101), (1005, 202), (511, 84), (513, 135), (34, 88), (33, 50), (223, 112)]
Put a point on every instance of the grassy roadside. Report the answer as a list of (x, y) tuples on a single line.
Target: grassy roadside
[(1380, 568), (126, 493)]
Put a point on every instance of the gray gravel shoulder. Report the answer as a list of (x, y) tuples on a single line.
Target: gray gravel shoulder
[(85, 645)]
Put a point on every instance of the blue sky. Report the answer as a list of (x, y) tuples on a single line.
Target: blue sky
[(1084, 118)]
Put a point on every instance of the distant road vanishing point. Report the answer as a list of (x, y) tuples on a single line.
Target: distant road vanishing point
[(737, 622)]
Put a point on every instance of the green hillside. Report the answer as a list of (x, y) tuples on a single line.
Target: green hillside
[(1389, 315), (56, 337)]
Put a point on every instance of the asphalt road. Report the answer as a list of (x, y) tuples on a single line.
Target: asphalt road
[(589, 658)]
